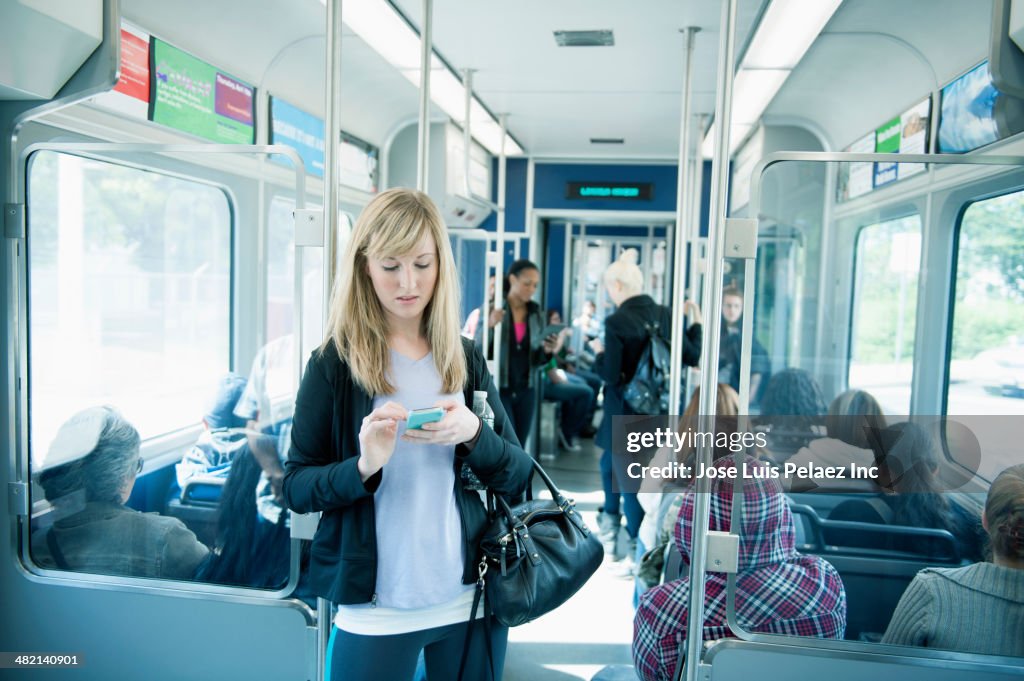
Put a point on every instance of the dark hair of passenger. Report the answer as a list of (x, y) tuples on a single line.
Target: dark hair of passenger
[(245, 553), (851, 415), (1004, 513), (516, 268), (792, 392), (908, 460), (104, 472)]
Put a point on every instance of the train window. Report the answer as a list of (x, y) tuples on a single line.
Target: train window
[(129, 284), (888, 256), (986, 359)]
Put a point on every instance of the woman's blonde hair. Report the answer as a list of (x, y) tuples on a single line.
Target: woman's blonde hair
[(392, 224), (626, 272)]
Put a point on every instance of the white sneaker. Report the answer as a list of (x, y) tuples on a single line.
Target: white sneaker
[(567, 444)]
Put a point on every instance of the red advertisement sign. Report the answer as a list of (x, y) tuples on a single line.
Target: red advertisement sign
[(134, 80)]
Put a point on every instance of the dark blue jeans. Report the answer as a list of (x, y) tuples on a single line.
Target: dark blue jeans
[(630, 505), (353, 657), (576, 399)]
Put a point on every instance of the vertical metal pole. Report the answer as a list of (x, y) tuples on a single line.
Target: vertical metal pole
[(467, 139), (499, 265), (332, 137), (712, 303), (423, 146), (679, 237)]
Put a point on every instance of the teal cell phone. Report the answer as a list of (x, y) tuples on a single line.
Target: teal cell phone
[(417, 417)]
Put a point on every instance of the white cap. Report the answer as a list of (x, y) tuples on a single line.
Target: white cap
[(76, 439)]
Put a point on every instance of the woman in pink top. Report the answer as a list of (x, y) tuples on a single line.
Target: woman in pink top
[(523, 349)]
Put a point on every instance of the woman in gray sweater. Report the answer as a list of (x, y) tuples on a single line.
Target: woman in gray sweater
[(978, 608)]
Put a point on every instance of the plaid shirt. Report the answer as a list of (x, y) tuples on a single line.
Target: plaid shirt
[(777, 589)]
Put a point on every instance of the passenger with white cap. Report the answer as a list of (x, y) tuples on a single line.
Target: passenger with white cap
[(88, 474)]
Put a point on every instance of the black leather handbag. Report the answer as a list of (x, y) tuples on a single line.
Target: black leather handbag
[(535, 556)]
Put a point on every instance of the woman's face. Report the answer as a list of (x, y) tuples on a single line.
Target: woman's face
[(405, 284), (732, 309), (523, 285)]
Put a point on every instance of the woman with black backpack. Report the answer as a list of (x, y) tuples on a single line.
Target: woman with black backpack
[(626, 338)]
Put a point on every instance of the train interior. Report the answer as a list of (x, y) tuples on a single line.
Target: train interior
[(152, 247)]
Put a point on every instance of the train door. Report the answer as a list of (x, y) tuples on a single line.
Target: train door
[(590, 255)]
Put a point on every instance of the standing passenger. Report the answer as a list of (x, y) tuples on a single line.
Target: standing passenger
[(625, 339), (523, 348), (396, 547), (729, 344)]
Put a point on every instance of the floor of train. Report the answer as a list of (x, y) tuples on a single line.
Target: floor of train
[(595, 627)]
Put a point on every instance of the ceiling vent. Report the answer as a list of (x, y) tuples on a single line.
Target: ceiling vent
[(584, 38), (606, 140)]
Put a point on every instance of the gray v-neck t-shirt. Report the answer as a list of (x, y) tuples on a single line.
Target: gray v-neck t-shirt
[(419, 531)]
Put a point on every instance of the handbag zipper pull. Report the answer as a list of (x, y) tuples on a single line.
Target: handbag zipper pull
[(504, 551)]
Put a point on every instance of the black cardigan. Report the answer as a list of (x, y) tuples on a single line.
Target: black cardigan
[(625, 338), (321, 474)]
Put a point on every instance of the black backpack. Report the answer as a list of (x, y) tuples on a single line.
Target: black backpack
[(647, 391)]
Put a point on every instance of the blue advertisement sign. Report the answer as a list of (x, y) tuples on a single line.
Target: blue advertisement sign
[(299, 130)]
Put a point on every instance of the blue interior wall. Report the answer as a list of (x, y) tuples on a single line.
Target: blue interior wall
[(555, 274)]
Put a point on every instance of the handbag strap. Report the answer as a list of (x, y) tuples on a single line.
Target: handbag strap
[(477, 595)]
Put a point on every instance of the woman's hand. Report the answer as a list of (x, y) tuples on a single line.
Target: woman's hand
[(553, 343), (378, 436), (691, 308), (596, 345), (496, 316), (458, 425)]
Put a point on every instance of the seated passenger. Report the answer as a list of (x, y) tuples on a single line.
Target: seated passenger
[(662, 508), (778, 590), (792, 410), (575, 394), (908, 460), (209, 459), (87, 475), (978, 608), (851, 417), (268, 420), (249, 551)]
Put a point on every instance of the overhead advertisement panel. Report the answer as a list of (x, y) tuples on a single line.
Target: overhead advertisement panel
[(856, 179), (887, 141), (299, 130), (974, 113), (192, 96), (131, 93), (914, 125)]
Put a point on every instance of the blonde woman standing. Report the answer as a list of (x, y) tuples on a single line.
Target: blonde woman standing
[(396, 548)]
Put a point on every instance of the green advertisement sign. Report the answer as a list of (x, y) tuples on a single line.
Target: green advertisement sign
[(887, 137), (194, 97)]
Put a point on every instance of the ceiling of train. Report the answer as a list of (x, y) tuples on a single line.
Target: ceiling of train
[(874, 58)]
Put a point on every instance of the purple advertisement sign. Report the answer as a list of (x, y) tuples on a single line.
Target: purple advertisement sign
[(233, 99)]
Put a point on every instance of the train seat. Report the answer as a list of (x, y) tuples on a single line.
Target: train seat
[(734, 660), (874, 578)]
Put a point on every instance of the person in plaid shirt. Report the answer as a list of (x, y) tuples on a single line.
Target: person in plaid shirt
[(778, 590)]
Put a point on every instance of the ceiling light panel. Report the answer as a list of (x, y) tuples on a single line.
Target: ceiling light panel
[(786, 31), (601, 38)]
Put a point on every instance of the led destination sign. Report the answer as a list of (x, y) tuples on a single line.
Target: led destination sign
[(628, 191)]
